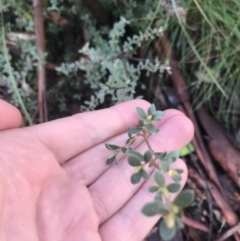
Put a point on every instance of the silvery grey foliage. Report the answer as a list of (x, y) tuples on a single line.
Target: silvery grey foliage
[(107, 66)]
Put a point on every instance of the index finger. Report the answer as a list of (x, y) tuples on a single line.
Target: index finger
[(70, 136), (10, 116)]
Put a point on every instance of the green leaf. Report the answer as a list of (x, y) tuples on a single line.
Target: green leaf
[(178, 222), (145, 175), (151, 128), (180, 213), (153, 188), (134, 130), (124, 149), (147, 156), (134, 158), (157, 115), (151, 109), (141, 123), (130, 140), (112, 147), (154, 208), (177, 178), (174, 187), (136, 177), (171, 156), (185, 198), (180, 171), (111, 160), (165, 232), (158, 197), (161, 155), (156, 130), (159, 178), (164, 166), (141, 113)]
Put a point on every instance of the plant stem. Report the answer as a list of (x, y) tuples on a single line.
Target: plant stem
[(153, 161), (10, 72)]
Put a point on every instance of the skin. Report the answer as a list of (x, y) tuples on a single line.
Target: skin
[(55, 185)]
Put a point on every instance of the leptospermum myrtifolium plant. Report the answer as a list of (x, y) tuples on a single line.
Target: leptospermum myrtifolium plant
[(172, 211)]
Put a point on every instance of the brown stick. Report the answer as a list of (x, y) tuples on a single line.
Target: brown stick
[(221, 149), (181, 89), (226, 209), (229, 233), (40, 41), (192, 223)]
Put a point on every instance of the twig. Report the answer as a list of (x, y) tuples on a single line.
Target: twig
[(229, 233), (221, 149), (12, 81), (209, 198), (226, 209), (114, 88), (192, 223), (40, 41), (181, 89), (150, 148)]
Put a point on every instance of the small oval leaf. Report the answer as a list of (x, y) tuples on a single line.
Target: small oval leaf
[(151, 110), (134, 130), (158, 197), (171, 156), (161, 155), (174, 187), (177, 178), (136, 177), (185, 198), (159, 178), (164, 166), (134, 158), (180, 171), (151, 128), (124, 149), (154, 208), (112, 147), (145, 175), (141, 113), (147, 156), (157, 115), (165, 232), (111, 160), (153, 188)]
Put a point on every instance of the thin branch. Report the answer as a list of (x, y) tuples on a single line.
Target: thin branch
[(153, 161), (229, 233), (192, 223), (40, 41), (114, 88)]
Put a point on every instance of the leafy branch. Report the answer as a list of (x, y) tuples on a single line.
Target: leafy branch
[(172, 211)]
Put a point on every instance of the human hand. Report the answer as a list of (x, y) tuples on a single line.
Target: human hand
[(55, 185)]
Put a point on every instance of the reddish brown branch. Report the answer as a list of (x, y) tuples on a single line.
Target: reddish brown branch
[(221, 149), (226, 209), (182, 92), (192, 223), (229, 233), (40, 42)]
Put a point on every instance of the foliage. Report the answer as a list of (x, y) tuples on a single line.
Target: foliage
[(207, 45), (107, 67), (103, 63), (162, 205)]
